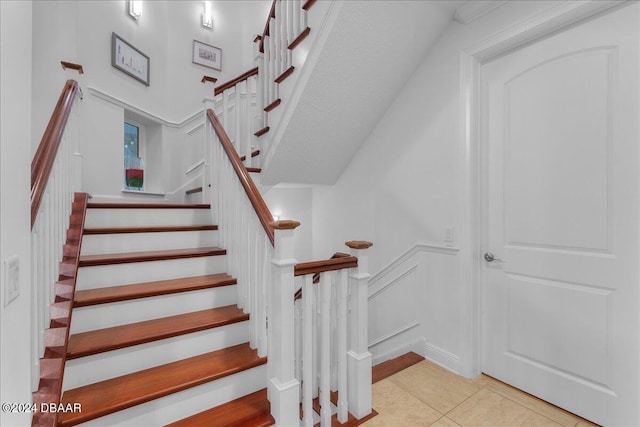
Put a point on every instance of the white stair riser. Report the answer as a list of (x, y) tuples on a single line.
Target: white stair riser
[(144, 217), (138, 272), (121, 313), (194, 198), (94, 244), (100, 367), (188, 402)]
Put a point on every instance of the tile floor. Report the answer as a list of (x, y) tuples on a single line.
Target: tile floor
[(427, 395)]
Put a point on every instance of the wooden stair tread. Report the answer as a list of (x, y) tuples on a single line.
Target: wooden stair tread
[(273, 105), (100, 205), (102, 340), (194, 190), (148, 229), (262, 131), (127, 257), (254, 170), (252, 410), (105, 397), (253, 154), (148, 289)]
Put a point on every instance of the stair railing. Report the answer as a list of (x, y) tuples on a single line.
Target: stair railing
[(286, 24), (247, 230), (55, 176), (244, 227), (260, 253), (333, 363), (236, 106)]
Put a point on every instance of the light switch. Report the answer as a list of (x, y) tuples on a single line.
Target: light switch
[(11, 279), (448, 234)]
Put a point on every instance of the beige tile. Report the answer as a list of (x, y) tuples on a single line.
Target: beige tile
[(490, 409), (434, 385), (558, 415), (444, 422), (397, 408)]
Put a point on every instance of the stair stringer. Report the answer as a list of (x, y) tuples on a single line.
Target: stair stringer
[(321, 20)]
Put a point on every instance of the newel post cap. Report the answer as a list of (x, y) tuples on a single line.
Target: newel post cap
[(284, 224), (358, 244)]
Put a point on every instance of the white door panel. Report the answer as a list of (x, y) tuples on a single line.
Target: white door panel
[(560, 312)]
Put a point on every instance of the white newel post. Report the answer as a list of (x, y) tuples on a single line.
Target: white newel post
[(359, 358), (209, 104), (284, 388)]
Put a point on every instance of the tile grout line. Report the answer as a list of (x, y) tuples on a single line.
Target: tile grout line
[(533, 408)]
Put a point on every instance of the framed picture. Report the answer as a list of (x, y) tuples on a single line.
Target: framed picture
[(207, 55), (129, 60)]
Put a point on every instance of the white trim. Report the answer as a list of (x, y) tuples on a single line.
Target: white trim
[(144, 193), (472, 10), (442, 357), (392, 334), (139, 111), (471, 59), (195, 166), (418, 247), (417, 346), (392, 282), (199, 126)]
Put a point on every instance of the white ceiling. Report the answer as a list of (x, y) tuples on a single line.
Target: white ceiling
[(372, 50)]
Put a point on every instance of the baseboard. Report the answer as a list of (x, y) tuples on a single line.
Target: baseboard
[(442, 357), (417, 346)]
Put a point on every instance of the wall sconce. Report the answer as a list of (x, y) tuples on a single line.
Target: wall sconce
[(207, 16), (135, 9)]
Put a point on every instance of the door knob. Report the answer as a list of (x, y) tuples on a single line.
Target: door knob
[(488, 256)]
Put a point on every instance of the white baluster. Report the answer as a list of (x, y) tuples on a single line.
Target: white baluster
[(325, 348), (342, 291), (278, 39), (295, 21), (307, 351)]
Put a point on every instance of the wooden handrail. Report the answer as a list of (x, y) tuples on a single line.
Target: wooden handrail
[(231, 83), (72, 66), (316, 276), (264, 215), (45, 156), (313, 267)]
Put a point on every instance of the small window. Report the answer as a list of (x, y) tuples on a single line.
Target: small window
[(133, 164)]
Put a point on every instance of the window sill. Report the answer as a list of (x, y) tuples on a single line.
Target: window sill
[(146, 193)]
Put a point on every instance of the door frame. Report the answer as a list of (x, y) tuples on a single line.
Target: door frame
[(472, 59)]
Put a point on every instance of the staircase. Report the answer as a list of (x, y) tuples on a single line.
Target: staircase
[(156, 335), (160, 318)]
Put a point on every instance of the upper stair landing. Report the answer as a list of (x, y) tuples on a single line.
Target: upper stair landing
[(353, 72)]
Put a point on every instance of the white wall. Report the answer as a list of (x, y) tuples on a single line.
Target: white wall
[(81, 32), (295, 203), (15, 160), (403, 186)]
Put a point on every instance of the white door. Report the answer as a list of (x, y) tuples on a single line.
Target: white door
[(560, 309)]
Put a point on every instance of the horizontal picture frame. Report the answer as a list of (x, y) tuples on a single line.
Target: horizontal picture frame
[(207, 55), (126, 58)]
